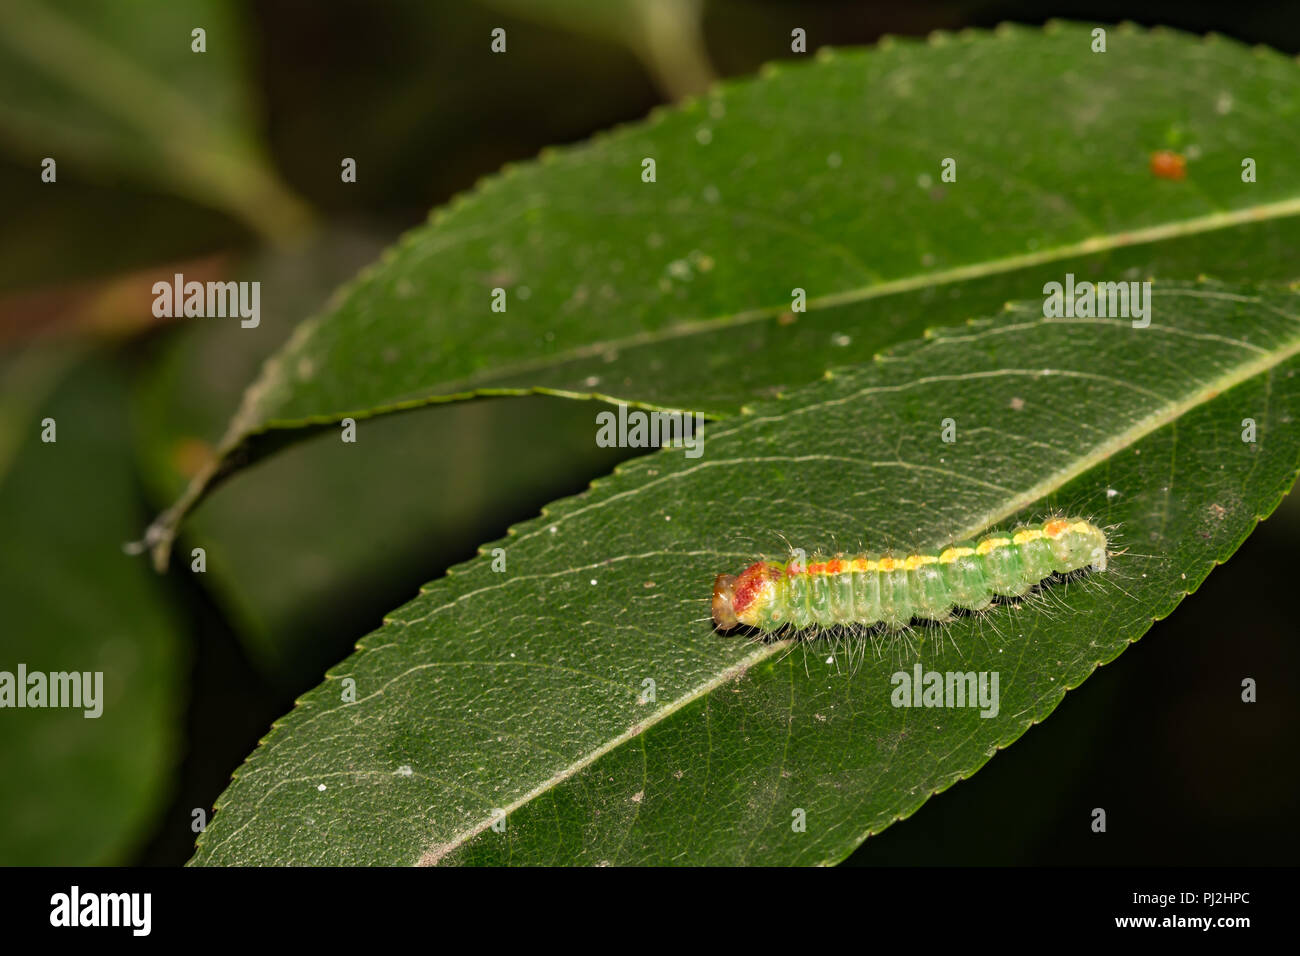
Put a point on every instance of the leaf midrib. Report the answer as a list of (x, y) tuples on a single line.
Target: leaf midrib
[(1172, 411)]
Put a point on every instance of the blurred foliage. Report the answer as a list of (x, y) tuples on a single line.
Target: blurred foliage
[(665, 35), (104, 92), (77, 790)]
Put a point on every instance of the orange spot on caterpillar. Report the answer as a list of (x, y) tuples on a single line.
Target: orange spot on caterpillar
[(1166, 164), (834, 566), (750, 582), (1054, 528)]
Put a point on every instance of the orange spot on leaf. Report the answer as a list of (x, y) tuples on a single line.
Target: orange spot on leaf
[(1168, 165)]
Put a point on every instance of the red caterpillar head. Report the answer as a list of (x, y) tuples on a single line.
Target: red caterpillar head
[(738, 600)]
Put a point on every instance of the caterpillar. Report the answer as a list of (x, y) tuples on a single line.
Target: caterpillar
[(823, 593)]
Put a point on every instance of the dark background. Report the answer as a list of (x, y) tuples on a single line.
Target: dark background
[(1160, 739)]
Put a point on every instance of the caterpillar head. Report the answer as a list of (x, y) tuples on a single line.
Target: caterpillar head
[(724, 593)]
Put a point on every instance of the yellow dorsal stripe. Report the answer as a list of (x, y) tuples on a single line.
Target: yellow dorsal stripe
[(888, 563)]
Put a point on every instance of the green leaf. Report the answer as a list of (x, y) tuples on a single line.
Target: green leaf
[(520, 690), (128, 95), (824, 177), (79, 790)]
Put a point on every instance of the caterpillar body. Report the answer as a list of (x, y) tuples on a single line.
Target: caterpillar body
[(857, 590)]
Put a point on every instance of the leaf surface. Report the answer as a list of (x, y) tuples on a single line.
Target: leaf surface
[(825, 177)]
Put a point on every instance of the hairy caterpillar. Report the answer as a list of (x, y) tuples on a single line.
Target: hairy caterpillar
[(771, 596)]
